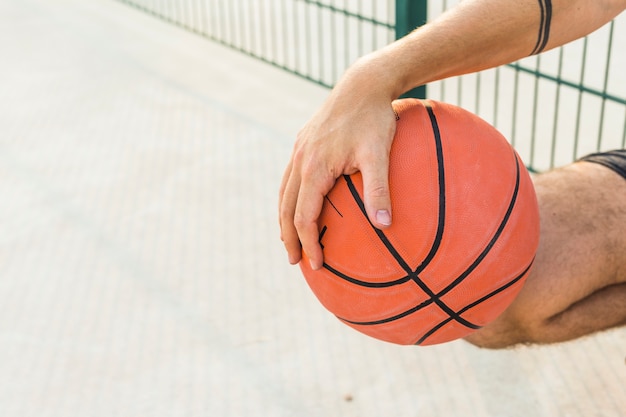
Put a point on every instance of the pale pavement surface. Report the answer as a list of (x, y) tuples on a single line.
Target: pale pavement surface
[(141, 272)]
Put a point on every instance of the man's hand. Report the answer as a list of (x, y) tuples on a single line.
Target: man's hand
[(351, 132)]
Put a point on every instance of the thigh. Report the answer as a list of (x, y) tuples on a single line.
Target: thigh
[(582, 247)]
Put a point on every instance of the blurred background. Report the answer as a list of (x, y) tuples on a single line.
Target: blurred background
[(141, 272)]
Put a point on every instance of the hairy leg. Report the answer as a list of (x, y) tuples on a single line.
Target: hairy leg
[(602, 310), (578, 283)]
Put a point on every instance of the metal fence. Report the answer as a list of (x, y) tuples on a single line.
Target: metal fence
[(316, 40), (553, 107)]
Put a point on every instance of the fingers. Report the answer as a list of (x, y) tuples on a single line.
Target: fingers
[(281, 190), (341, 143), (301, 198), (287, 198), (309, 206), (374, 167), (376, 196)]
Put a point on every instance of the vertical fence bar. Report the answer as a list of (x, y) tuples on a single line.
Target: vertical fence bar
[(534, 120), (583, 68), (333, 47), (624, 131), (557, 107), (411, 14), (607, 66)]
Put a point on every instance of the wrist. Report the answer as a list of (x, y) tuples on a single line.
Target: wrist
[(380, 75)]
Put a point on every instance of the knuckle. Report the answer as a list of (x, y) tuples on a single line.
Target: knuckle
[(301, 222), (298, 155), (376, 152), (370, 156), (283, 216), (378, 190)]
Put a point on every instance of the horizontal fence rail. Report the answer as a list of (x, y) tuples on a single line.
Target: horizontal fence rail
[(553, 108)]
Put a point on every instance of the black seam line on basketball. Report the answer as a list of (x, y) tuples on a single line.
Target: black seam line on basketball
[(322, 233), (442, 191), (494, 238), (365, 283), (430, 301), (440, 222), (544, 26), (499, 289), (333, 206), (390, 319), (441, 217), (475, 303)]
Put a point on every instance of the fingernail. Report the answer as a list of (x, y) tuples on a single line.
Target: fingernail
[(314, 265), (383, 217)]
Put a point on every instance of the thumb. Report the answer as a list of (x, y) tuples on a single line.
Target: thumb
[(376, 192)]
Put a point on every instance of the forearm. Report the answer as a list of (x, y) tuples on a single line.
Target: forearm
[(481, 34)]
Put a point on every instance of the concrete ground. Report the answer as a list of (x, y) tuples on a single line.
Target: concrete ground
[(141, 272)]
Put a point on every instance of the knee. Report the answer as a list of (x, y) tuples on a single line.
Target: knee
[(488, 339), (503, 333), (509, 334)]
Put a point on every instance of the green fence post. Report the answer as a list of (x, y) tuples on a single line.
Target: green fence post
[(411, 14)]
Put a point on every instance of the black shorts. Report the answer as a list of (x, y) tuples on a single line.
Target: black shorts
[(615, 160)]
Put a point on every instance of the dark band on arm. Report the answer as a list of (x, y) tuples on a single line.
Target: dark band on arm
[(544, 26)]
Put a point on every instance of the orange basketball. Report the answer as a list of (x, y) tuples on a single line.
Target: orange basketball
[(464, 234)]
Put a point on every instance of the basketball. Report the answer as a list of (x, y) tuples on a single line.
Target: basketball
[(463, 239)]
